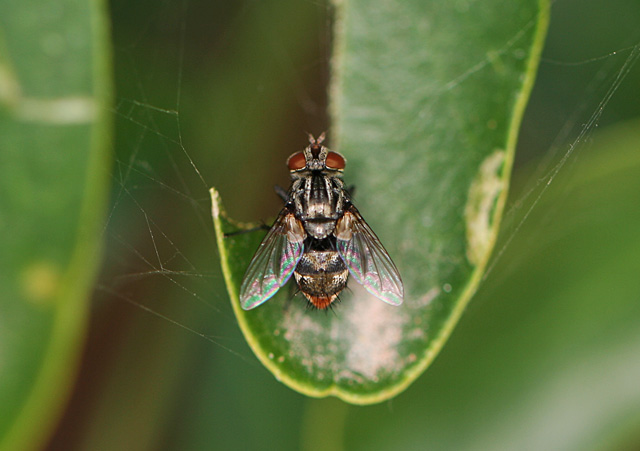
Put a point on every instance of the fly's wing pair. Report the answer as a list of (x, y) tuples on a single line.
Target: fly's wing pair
[(367, 260), (280, 251), (274, 261)]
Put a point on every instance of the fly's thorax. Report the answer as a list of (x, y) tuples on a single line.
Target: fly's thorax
[(318, 201)]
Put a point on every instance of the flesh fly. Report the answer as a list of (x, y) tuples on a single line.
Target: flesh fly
[(320, 238)]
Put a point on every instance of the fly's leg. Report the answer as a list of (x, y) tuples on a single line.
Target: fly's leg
[(282, 193), (252, 229)]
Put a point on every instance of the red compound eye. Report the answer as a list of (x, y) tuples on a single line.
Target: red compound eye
[(335, 161), (297, 161)]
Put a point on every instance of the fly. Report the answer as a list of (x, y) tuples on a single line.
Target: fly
[(320, 238)]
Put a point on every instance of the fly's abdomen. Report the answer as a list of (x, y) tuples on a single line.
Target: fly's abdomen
[(321, 276)]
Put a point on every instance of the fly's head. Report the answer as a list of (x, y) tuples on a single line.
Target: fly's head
[(316, 158)]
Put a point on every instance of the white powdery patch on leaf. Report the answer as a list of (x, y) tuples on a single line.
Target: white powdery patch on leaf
[(360, 346), (374, 333), (480, 207)]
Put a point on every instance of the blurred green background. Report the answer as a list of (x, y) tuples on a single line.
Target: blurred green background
[(547, 355)]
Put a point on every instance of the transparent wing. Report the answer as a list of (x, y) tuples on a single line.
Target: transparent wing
[(274, 261), (367, 260)]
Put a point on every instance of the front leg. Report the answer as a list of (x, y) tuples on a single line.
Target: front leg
[(282, 193)]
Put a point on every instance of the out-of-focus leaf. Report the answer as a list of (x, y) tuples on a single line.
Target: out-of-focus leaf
[(427, 98), (54, 136)]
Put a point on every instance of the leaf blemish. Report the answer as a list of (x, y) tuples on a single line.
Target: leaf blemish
[(374, 336), (360, 345), (74, 109), (59, 111), (481, 202), (40, 282), (425, 300)]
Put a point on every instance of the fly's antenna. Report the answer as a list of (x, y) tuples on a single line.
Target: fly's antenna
[(316, 142)]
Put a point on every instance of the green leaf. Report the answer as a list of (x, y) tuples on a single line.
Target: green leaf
[(54, 135), (547, 355), (427, 98)]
